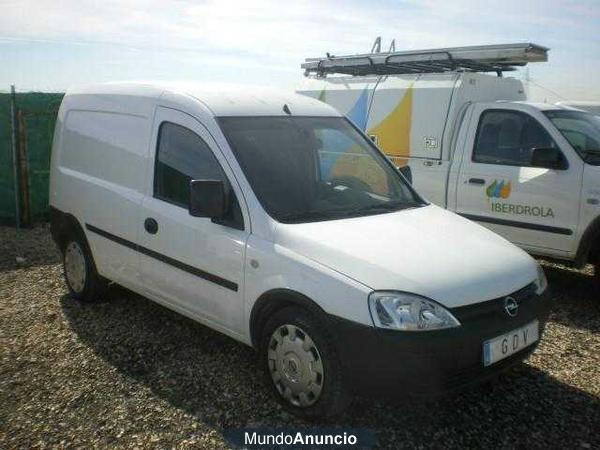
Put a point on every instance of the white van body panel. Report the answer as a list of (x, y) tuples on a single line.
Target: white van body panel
[(280, 267), (194, 241), (385, 263), (95, 167)]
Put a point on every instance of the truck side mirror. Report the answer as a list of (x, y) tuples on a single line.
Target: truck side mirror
[(548, 158), (405, 170), (208, 198)]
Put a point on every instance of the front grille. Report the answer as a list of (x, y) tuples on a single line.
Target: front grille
[(495, 308)]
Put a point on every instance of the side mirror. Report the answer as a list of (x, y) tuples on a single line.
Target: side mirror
[(548, 158), (405, 170), (208, 198)]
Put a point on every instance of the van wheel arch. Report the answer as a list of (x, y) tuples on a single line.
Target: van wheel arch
[(589, 246), (68, 234), (63, 225), (274, 300)]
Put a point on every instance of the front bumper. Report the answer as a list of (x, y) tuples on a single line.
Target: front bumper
[(396, 363)]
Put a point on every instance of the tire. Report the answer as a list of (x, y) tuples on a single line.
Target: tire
[(79, 269), (596, 279), (307, 383)]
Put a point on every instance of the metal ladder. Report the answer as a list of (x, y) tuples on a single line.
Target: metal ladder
[(479, 58)]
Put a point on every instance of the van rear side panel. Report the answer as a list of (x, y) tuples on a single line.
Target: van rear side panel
[(98, 174)]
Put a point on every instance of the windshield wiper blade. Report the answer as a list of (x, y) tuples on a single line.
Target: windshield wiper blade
[(309, 215), (391, 206), (340, 213)]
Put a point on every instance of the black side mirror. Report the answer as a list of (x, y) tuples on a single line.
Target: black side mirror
[(208, 198), (548, 158), (405, 170)]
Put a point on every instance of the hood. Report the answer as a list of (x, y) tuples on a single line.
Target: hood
[(427, 251)]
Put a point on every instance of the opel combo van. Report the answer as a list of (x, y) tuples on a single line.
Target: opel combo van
[(271, 218)]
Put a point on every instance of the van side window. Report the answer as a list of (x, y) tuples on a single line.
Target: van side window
[(182, 156), (508, 138)]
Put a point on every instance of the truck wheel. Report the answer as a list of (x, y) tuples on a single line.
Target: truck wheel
[(301, 365), (79, 269), (597, 277)]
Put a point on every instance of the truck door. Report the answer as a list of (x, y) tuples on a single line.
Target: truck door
[(190, 263), (536, 208)]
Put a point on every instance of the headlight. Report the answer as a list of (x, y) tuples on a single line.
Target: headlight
[(541, 282), (409, 312)]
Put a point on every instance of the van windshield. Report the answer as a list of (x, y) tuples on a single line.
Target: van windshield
[(306, 169), (581, 129)]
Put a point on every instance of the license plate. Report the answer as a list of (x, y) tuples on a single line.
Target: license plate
[(510, 343)]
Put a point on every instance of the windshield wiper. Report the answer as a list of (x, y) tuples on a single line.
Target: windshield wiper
[(315, 215), (390, 206), (310, 215)]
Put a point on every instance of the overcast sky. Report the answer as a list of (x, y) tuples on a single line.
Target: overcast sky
[(49, 45)]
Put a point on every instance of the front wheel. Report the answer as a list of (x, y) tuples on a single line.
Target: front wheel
[(302, 366), (81, 276), (597, 277)]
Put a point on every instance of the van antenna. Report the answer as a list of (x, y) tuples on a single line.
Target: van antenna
[(393, 46), (286, 110)]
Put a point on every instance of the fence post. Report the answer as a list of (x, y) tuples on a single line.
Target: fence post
[(23, 172), (13, 129)]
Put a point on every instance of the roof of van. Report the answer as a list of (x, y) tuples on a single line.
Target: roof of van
[(221, 99), (540, 105)]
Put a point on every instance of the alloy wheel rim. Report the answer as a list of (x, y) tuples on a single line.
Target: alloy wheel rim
[(75, 269), (295, 365)]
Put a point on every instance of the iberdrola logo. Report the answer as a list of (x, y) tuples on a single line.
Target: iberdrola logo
[(498, 190)]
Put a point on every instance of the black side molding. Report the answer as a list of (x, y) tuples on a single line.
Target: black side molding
[(517, 224), (165, 259)]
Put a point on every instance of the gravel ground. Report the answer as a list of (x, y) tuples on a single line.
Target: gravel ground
[(129, 373)]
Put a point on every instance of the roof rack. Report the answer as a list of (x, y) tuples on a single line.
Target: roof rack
[(479, 58)]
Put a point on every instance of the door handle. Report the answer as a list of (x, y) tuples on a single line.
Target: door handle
[(151, 225), (476, 181)]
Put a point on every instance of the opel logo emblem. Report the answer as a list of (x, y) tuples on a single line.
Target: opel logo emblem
[(511, 306)]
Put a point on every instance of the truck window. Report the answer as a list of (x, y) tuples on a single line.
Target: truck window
[(183, 156), (508, 137), (581, 129)]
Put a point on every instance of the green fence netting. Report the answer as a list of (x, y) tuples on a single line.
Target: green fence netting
[(39, 116)]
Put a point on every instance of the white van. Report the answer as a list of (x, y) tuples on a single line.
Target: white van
[(472, 144), (223, 206)]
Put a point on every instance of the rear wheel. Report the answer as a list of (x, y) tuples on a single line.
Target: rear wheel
[(302, 366), (597, 277), (81, 276)]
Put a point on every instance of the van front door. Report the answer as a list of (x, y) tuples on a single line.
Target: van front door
[(191, 264), (536, 208)]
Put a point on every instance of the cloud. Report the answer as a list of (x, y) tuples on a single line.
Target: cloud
[(278, 35)]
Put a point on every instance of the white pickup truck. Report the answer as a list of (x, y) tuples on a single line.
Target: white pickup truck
[(471, 143)]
